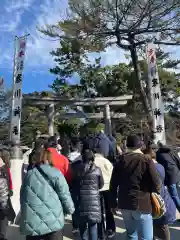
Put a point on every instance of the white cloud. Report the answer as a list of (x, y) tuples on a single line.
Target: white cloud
[(113, 55), (11, 25), (40, 46), (23, 16), (15, 5)]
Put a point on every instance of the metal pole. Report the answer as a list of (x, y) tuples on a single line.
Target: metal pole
[(12, 100)]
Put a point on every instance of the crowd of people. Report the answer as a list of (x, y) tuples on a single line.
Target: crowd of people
[(94, 181)]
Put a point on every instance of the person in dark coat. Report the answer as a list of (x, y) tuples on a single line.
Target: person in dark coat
[(160, 226), (87, 179), (75, 158), (133, 180), (170, 160), (106, 146)]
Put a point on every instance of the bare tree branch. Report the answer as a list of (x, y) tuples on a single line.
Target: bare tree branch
[(167, 43), (145, 30)]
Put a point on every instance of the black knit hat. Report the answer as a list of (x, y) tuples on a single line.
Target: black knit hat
[(134, 141), (52, 142)]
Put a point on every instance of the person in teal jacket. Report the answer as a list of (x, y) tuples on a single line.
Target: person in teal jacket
[(45, 199)]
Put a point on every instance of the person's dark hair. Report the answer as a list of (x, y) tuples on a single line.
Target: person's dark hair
[(93, 143), (149, 151), (41, 156), (45, 157), (75, 145), (87, 153), (39, 145), (88, 156), (160, 144), (134, 142), (4, 154), (52, 142)]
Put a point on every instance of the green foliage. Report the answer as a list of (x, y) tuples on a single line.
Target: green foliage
[(72, 60), (32, 119), (69, 59), (4, 131), (5, 102), (91, 127), (42, 94), (68, 129), (110, 80), (5, 96)]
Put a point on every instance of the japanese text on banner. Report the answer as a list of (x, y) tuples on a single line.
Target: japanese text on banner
[(17, 88), (155, 93)]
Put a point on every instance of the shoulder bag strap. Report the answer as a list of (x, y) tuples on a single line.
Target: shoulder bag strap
[(46, 177)]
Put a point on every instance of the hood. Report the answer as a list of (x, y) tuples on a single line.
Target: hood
[(135, 151), (26, 156), (164, 149), (74, 156)]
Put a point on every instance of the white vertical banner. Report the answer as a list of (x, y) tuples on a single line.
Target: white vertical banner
[(155, 94), (19, 56)]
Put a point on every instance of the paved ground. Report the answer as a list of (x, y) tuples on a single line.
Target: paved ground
[(14, 231)]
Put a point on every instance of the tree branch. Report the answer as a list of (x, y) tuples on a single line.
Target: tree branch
[(140, 43), (124, 14), (142, 16), (167, 43), (123, 46), (145, 30)]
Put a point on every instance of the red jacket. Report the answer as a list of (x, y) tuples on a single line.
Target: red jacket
[(10, 179), (61, 163)]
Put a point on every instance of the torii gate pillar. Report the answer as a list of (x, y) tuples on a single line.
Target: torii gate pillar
[(50, 116), (107, 118)]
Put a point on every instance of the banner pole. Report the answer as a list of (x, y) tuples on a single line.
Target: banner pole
[(13, 90), (16, 108)]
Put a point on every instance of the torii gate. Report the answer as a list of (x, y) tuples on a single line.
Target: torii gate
[(105, 102)]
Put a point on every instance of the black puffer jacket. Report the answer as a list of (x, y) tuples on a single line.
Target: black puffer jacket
[(86, 182), (171, 163)]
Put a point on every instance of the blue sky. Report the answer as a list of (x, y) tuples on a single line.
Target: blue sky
[(19, 17)]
